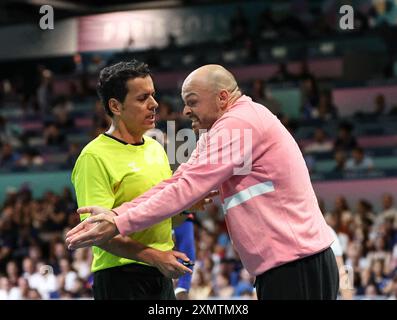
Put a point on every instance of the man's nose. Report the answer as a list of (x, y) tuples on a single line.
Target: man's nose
[(187, 111), (153, 104)]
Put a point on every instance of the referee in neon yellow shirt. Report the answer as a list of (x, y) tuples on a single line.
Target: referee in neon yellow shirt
[(117, 167)]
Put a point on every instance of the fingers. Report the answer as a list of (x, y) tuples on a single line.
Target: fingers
[(76, 229), (81, 244), (181, 255), (184, 257), (83, 239), (179, 270), (98, 218), (183, 269), (94, 210), (171, 267)]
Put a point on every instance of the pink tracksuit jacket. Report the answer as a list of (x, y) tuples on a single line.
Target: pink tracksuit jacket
[(269, 204)]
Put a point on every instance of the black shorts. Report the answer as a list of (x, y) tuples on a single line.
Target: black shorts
[(311, 278), (132, 282)]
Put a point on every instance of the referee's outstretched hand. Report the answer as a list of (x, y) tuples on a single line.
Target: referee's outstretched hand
[(95, 230), (167, 263)]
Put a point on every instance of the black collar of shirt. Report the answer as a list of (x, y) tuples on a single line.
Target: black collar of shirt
[(123, 142)]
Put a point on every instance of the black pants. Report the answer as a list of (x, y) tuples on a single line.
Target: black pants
[(132, 282), (311, 278)]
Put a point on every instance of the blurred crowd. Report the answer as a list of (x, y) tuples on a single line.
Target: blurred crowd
[(369, 243), (26, 147), (35, 264)]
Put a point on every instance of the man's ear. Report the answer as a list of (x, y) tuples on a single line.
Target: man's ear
[(223, 97), (115, 106)]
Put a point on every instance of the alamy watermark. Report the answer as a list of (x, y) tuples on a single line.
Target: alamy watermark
[(46, 22), (224, 146), (47, 19), (346, 22), (346, 277)]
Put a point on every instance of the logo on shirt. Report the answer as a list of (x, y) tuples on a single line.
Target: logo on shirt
[(133, 167)]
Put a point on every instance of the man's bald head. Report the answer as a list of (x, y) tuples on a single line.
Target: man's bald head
[(208, 92), (212, 77)]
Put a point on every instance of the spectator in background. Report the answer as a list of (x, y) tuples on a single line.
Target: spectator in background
[(171, 42), (165, 113), (364, 216), (378, 251), (245, 284), (320, 143), (45, 91), (261, 94), (201, 285), (73, 154), (340, 162), (378, 276), (378, 110), (61, 112), (12, 273), (96, 64), (345, 140), (35, 253), (393, 289), (29, 272), (67, 276), (359, 162), (57, 253), (82, 262), (380, 106), (7, 243), (223, 289), (5, 288), (325, 110), (78, 64), (9, 133), (34, 294), (62, 105), (29, 158), (53, 136), (282, 74), (389, 211), (46, 283), (309, 96), (340, 220), (20, 292), (8, 157), (304, 72)]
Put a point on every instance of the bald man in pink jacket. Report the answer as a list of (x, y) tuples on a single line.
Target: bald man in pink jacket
[(269, 205)]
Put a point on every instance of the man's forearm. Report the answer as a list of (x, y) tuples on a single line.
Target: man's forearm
[(126, 247)]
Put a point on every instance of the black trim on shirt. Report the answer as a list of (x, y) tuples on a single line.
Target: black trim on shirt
[(123, 142)]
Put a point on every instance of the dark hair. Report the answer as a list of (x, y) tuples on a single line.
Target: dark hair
[(359, 149), (113, 80), (346, 126)]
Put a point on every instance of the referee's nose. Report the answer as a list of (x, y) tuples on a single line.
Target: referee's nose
[(153, 105)]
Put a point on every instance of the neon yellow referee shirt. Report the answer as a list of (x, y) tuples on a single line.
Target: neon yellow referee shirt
[(109, 172)]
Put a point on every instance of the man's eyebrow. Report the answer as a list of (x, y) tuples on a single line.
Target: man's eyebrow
[(190, 94), (145, 93)]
